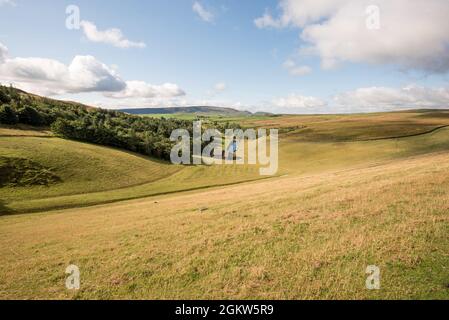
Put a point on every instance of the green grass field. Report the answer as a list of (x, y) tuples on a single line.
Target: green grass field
[(352, 191), (92, 174)]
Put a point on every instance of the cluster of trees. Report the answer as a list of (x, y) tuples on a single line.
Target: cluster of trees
[(11, 112), (148, 136), (18, 107), (143, 135)]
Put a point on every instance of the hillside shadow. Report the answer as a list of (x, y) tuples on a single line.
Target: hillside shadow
[(435, 115), (4, 210)]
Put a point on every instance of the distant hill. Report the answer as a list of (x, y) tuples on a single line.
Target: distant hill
[(200, 110)]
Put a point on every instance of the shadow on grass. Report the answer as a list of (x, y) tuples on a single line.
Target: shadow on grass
[(4, 210), (436, 114)]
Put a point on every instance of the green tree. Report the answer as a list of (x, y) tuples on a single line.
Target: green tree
[(63, 128), (13, 93), (4, 97), (31, 116), (7, 115)]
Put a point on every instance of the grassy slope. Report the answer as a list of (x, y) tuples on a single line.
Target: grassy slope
[(311, 234), (340, 128), (94, 175), (303, 237), (83, 168), (135, 177)]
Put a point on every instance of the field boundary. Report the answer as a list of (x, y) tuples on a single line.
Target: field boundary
[(291, 135), (405, 136)]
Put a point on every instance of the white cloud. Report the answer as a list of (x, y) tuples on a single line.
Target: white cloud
[(220, 87), (8, 2), (167, 103), (370, 99), (112, 36), (3, 53), (141, 89), (301, 12), (47, 76), (217, 89), (300, 71), (412, 36), (296, 70), (385, 99), (267, 21), (83, 74), (203, 13), (297, 101)]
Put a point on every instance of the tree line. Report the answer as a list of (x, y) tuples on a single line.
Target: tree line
[(144, 135)]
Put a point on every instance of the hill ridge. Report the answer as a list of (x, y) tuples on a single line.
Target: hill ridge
[(191, 109)]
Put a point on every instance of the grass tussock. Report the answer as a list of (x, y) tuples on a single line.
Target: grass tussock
[(17, 172)]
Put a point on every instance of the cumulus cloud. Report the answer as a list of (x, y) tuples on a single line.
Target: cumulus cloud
[(295, 70), (217, 89), (386, 99), (7, 2), (3, 53), (83, 74), (370, 99), (298, 101), (168, 103), (267, 21), (141, 89), (412, 35), (300, 12), (202, 12), (112, 36), (220, 87)]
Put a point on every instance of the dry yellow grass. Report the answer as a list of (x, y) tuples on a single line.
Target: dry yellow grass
[(355, 127), (299, 237), (23, 131)]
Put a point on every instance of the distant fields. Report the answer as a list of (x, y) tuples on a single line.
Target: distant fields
[(352, 191), (338, 128), (359, 127), (219, 118)]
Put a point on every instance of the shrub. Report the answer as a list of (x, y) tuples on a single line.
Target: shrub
[(7, 115), (4, 98), (62, 128), (31, 116)]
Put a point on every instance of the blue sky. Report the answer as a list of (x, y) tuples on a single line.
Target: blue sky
[(228, 60)]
